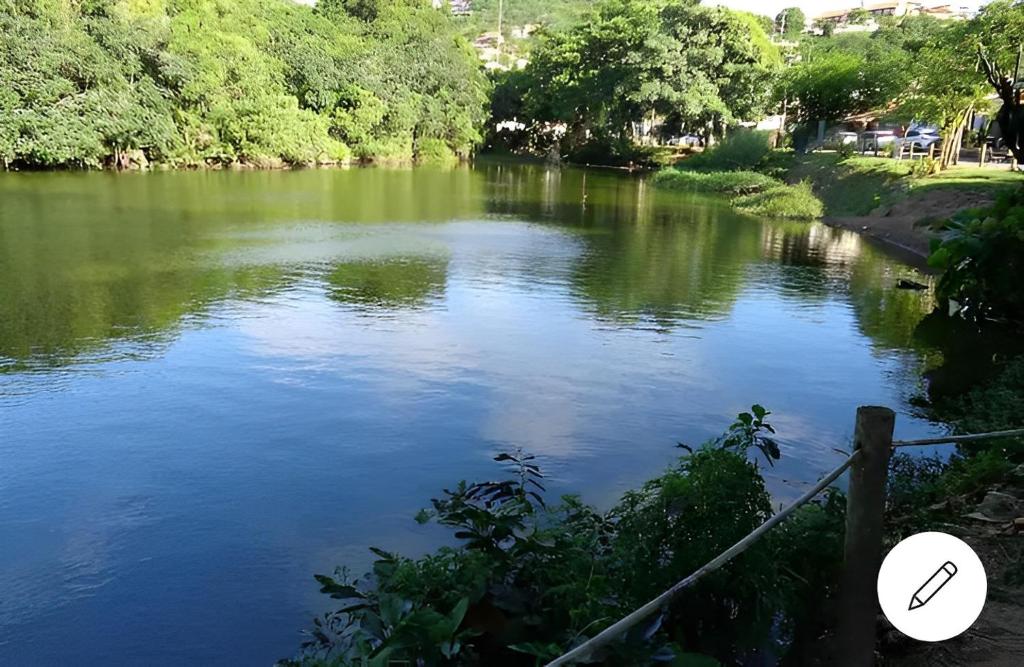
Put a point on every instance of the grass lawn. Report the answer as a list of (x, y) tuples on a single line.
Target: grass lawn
[(971, 178), (853, 185), (857, 185)]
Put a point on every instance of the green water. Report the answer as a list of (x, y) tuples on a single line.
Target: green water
[(213, 385)]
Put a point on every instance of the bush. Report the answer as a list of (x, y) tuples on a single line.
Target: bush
[(997, 405), (981, 254), (731, 182), (785, 201), (747, 150), (435, 152), (528, 580)]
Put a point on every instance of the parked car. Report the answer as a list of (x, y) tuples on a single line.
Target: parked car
[(921, 138), (875, 140)]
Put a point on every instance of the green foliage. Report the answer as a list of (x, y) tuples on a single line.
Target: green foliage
[(434, 152), (808, 553), (920, 489), (790, 22), (858, 16), (530, 579), (730, 182), (851, 185), (740, 150), (210, 82), (788, 201), (847, 74), (981, 255), (997, 405), (756, 192), (557, 14), (697, 67)]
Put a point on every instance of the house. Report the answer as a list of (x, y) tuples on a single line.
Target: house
[(869, 13), (866, 15)]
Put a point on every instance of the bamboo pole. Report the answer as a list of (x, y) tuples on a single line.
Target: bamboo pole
[(865, 511), (942, 439), (613, 631)]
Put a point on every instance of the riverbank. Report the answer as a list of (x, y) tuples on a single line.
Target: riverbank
[(977, 495), (885, 200), (882, 198), (901, 226)]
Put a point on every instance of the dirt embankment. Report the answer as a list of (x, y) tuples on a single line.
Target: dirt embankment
[(897, 226), (994, 528)]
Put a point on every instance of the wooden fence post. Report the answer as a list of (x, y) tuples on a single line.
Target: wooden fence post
[(865, 510)]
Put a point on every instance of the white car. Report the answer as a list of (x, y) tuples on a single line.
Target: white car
[(921, 138)]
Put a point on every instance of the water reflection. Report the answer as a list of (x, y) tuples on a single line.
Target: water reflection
[(90, 259), (395, 283), (213, 379)]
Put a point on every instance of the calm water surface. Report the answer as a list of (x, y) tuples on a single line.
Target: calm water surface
[(213, 385)]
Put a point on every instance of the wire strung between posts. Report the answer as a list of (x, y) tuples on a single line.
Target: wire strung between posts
[(616, 629), (958, 438)]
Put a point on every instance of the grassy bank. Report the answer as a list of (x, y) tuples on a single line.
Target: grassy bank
[(753, 192), (745, 167), (858, 185)]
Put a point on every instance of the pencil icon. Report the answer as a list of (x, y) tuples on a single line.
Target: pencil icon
[(933, 585)]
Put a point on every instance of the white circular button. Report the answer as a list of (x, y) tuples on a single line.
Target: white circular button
[(932, 586)]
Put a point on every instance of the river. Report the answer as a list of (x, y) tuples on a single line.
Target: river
[(215, 384)]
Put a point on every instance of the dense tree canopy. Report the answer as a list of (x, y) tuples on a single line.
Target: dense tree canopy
[(216, 81), (697, 67)]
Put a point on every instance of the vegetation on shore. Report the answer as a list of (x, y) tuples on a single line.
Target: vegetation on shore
[(631, 60), (981, 256), (528, 579), (737, 166), (207, 83)]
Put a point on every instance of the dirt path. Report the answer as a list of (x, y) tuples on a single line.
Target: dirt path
[(997, 637), (993, 528), (896, 227)]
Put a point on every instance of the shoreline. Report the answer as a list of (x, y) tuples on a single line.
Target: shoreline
[(896, 236)]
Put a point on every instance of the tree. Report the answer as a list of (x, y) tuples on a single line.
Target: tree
[(790, 22), (190, 82), (858, 16), (847, 74), (691, 65), (1002, 26), (950, 83)]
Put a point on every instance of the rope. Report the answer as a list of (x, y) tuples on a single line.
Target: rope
[(958, 438), (616, 629)]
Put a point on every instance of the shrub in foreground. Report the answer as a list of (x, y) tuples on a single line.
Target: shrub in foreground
[(529, 580)]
